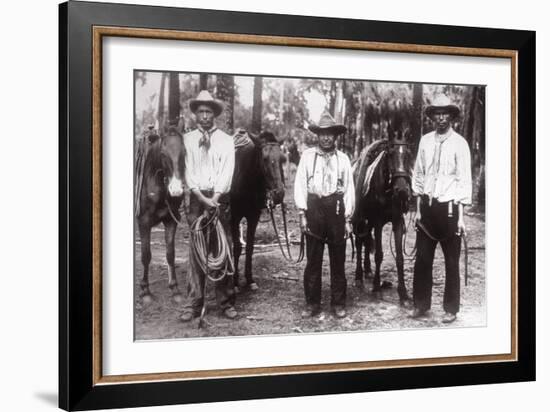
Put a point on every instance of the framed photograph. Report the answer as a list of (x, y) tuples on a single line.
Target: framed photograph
[(208, 157)]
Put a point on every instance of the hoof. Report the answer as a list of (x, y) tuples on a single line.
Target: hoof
[(230, 313), (406, 303), (377, 293), (236, 290), (386, 285), (177, 297), (253, 286), (146, 298)]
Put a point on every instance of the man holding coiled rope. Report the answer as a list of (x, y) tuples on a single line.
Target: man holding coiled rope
[(209, 164)]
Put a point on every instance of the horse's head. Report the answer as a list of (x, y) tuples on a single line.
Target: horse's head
[(272, 159), (399, 159), (172, 162)]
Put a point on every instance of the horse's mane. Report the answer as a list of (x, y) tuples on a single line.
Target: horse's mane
[(374, 149), (267, 137), (367, 156)]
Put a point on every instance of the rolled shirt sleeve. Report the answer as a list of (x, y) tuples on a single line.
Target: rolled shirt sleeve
[(349, 189), (419, 171), (463, 174), (191, 163), (300, 184)]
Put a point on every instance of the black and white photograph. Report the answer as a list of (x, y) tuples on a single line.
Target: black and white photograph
[(289, 205)]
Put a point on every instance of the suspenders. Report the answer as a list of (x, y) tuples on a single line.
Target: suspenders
[(338, 180)]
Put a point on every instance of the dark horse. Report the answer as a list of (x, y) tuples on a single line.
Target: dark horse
[(387, 199), (160, 193), (257, 180)]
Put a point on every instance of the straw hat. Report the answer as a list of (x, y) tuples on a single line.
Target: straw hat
[(442, 102), (205, 98), (327, 122)]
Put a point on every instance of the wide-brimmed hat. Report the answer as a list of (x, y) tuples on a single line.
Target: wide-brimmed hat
[(206, 98), (442, 102), (327, 122)]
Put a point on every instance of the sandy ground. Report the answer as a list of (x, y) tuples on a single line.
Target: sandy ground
[(276, 307)]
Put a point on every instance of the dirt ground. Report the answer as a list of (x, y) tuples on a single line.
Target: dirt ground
[(276, 307)]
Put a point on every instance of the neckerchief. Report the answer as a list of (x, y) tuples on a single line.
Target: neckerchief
[(204, 141), (327, 181), (439, 140)]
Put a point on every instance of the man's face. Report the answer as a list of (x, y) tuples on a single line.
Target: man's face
[(205, 116), (326, 140), (442, 120)]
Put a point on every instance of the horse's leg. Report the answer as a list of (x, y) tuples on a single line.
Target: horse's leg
[(169, 236), (378, 256), (359, 240), (237, 246), (145, 238), (398, 227), (368, 248), (252, 224)]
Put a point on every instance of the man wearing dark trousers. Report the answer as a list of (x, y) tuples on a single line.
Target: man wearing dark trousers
[(325, 196), (443, 185)]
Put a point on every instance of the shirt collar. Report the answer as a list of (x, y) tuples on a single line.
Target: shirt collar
[(325, 154), (440, 138), (210, 132)]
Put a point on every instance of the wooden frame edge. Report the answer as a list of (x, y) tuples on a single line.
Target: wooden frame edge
[(98, 32)]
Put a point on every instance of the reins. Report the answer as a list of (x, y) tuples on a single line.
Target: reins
[(287, 256)]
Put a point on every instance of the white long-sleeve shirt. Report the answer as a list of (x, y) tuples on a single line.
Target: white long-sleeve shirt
[(212, 168), (332, 175), (443, 168)]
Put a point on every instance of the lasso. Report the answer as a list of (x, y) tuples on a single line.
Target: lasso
[(218, 261)]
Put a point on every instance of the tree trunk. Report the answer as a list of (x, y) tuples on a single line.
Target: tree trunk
[(160, 114), (473, 130), (257, 105), (332, 103), (174, 107), (225, 91), (416, 121), (203, 82)]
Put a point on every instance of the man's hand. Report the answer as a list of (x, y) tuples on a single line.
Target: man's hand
[(216, 198), (349, 229), (461, 227), (209, 203), (303, 222), (418, 215)]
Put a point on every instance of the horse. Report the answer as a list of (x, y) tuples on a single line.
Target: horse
[(159, 195), (258, 181), (383, 191)]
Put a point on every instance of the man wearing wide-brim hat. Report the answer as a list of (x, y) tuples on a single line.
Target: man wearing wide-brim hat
[(325, 196), (442, 183), (209, 164)]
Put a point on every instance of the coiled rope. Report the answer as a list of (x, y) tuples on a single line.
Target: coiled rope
[(214, 259)]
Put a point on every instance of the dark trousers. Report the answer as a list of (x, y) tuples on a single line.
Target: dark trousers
[(437, 222), (225, 295), (324, 222)]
